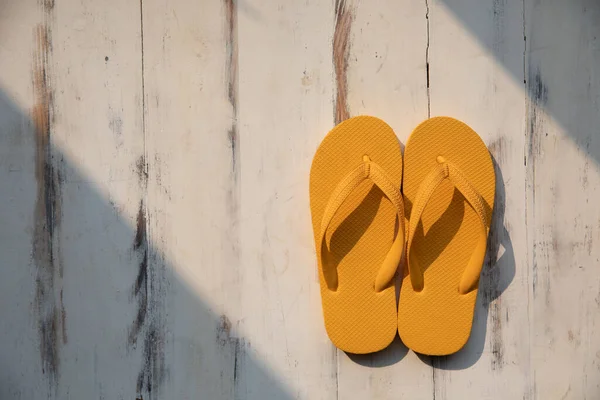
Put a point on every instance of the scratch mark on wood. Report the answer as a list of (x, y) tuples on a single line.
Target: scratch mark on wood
[(141, 167), (496, 337), (236, 364), (492, 274), (47, 214), (143, 72), (538, 97), (232, 238), (239, 352), (584, 175), (153, 372), (223, 331), (140, 288), (498, 8), (564, 396), (47, 5), (539, 89), (63, 315), (228, 342), (574, 337), (427, 59), (433, 381), (140, 231), (588, 239), (116, 125), (231, 65), (341, 51), (149, 286), (149, 296)]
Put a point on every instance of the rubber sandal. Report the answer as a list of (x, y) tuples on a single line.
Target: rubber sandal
[(449, 186), (358, 222)]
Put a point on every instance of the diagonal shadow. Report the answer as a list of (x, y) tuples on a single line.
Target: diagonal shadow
[(88, 305), (557, 62)]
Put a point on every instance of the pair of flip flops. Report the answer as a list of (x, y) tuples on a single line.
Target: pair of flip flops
[(361, 190)]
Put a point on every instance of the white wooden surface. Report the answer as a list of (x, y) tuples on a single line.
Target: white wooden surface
[(154, 223)]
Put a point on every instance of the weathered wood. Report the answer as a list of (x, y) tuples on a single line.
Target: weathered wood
[(193, 209), (285, 108), (22, 359), (95, 133), (154, 223), (80, 133), (562, 156)]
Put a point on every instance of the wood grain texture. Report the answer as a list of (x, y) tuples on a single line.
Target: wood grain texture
[(85, 136), (341, 48), (97, 141), (46, 241), (280, 313), (154, 223), (562, 161), (192, 144), (30, 319)]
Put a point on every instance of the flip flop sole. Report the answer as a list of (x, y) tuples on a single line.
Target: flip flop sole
[(438, 319), (357, 318)]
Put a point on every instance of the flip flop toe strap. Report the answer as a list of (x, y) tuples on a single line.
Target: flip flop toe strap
[(367, 170), (446, 170)]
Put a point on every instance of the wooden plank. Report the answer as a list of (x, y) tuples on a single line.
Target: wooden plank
[(385, 77), (20, 353), (95, 134), (476, 75), (82, 144), (285, 109), (563, 152), (199, 136), (193, 194)]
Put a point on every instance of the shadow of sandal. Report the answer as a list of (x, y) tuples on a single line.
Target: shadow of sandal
[(392, 354)]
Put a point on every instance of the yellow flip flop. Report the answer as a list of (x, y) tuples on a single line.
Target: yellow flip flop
[(358, 222), (449, 187)]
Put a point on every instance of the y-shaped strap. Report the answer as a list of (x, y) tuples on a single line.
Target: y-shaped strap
[(367, 170), (446, 170)]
